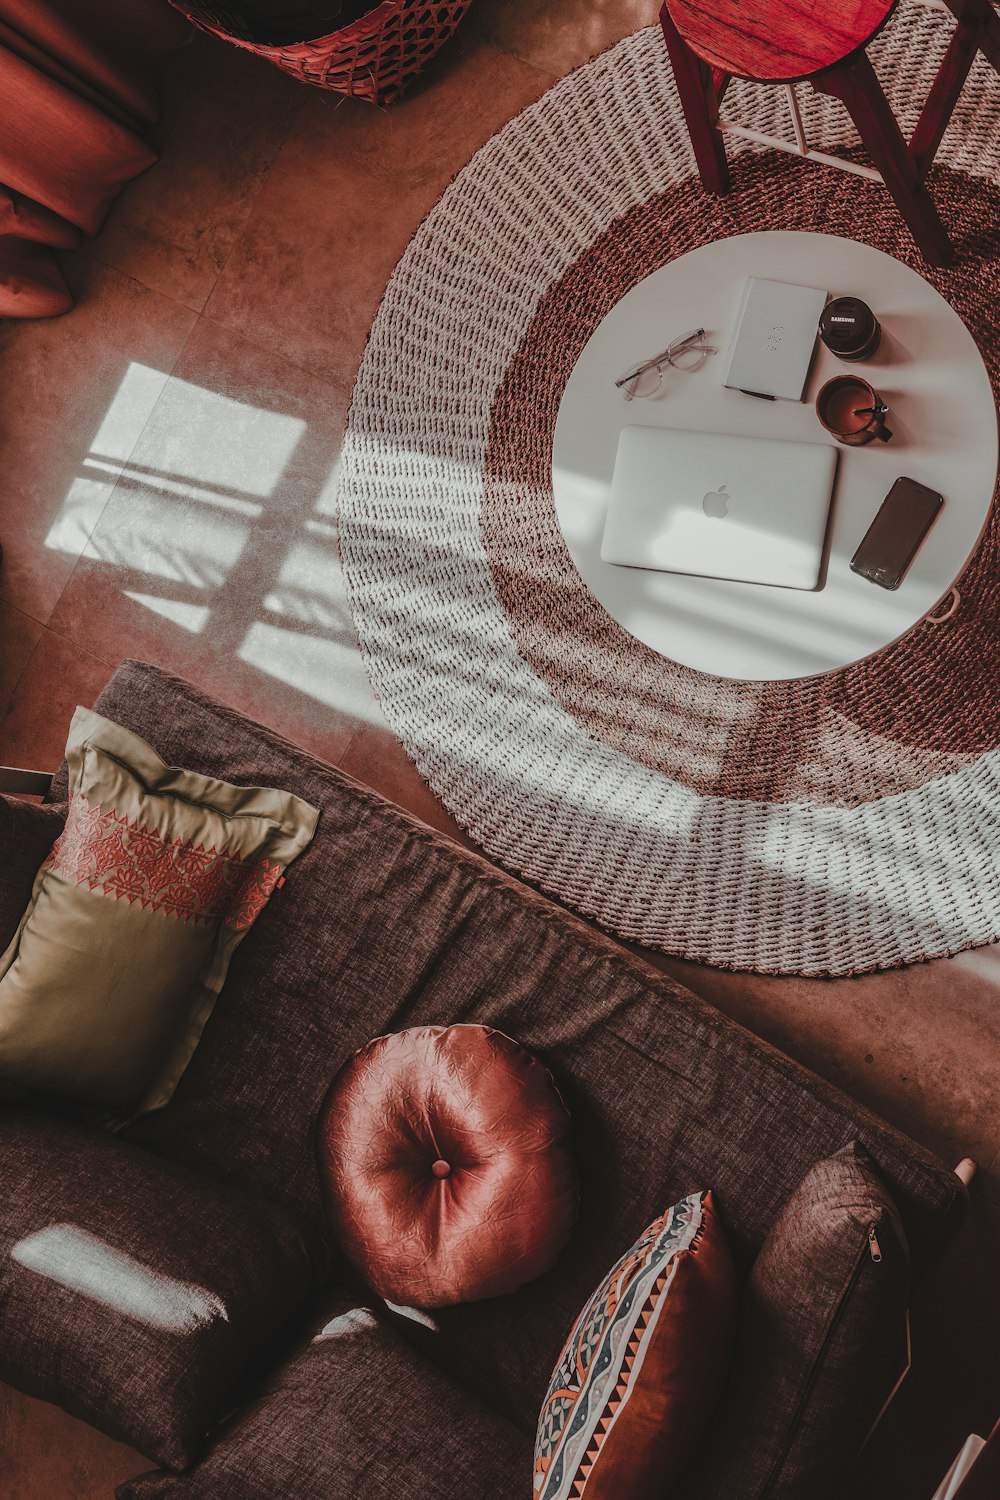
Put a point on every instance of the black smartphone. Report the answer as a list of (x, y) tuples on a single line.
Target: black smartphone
[(891, 542)]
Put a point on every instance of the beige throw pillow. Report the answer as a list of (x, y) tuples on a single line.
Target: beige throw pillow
[(134, 916)]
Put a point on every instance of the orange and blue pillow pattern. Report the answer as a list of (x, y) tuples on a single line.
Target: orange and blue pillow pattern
[(642, 1371)]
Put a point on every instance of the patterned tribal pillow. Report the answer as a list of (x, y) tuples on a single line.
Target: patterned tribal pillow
[(134, 915), (643, 1369)]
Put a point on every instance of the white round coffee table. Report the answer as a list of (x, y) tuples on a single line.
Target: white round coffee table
[(942, 415)]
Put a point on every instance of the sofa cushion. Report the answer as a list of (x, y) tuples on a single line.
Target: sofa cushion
[(643, 1368), (384, 925), (27, 832), (134, 916), (822, 1340), (355, 1415), (133, 1292), (447, 1163)]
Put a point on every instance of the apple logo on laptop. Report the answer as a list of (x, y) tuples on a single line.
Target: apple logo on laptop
[(716, 503)]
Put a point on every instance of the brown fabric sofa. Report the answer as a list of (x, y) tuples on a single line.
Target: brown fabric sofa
[(214, 1202)]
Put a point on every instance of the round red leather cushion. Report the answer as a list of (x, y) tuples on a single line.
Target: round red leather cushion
[(446, 1162)]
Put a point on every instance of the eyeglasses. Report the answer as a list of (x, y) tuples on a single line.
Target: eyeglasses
[(686, 353)]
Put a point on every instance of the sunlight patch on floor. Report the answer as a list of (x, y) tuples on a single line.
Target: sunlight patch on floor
[(327, 670), (223, 454), (308, 587), (115, 438), (191, 617)]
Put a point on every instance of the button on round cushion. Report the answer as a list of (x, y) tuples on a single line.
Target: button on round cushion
[(447, 1165)]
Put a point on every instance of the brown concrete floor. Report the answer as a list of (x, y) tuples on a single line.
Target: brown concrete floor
[(164, 447)]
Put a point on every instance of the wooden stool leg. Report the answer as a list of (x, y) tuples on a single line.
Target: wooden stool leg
[(854, 83), (977, 30), (701, 107), (981, 14), (947, 86)]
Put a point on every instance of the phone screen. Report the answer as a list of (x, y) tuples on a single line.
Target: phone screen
[(890, 544)]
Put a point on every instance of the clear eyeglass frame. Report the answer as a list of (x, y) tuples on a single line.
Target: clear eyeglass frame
[(689, 353)]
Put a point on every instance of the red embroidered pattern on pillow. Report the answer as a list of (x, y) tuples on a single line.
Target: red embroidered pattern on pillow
[(132, 863)]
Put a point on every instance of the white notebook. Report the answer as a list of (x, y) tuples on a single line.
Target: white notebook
[(773, 338)]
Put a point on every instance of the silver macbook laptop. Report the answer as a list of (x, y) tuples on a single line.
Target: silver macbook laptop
[(752, 509)]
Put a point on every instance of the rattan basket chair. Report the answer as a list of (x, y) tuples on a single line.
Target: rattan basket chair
[(373, 58)]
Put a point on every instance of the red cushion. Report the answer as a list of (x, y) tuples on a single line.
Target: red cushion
[(447, 1166)]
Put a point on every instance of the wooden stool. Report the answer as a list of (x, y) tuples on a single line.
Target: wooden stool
[(822, 42)]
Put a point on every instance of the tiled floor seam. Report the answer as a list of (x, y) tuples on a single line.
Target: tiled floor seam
[(24, 674), (480, 34), (345, 391), (8, 697), (70, 636), (350, 743), (94, 250)]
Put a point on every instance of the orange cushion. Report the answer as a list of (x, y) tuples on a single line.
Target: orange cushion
[(447, 1165), (643, 1369)]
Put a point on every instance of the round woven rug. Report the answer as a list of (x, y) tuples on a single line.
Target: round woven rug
[(828, 825)]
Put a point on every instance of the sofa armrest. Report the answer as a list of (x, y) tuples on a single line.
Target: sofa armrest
[(20, 783)]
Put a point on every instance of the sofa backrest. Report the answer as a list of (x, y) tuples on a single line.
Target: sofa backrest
[(384, 924)]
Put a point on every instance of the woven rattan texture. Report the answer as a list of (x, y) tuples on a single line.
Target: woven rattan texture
[(920, 709), (374, 58), (798, 828)]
